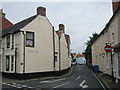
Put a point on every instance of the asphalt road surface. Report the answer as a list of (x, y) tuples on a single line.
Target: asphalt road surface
[(81, 77)]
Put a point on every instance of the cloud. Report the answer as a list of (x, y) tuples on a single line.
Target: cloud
[(81, 19)]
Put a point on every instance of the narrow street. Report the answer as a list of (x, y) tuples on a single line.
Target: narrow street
[(81, 77)]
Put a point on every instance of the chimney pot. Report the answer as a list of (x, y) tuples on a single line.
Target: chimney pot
[(2, 15), (115, 5), (61, 27), (41, 10)]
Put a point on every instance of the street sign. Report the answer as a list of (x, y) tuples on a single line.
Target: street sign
[(108, 48)]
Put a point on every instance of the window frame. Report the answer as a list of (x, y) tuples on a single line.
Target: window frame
[(7, 63), (13, 41), (12, 63), (7, 42), (30, 39)]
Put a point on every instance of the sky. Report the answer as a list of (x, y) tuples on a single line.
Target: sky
[(81, 19)]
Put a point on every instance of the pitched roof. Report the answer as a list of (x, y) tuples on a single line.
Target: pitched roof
[(5, 23), (16, 28), (108, 24), (67, 37)]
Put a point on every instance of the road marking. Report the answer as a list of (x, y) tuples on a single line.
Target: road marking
[(4, 83), (30, 87), (99, 81), (13, 83), (77, 78), (8, 84), (24, 86), (13, 86), (18, 84), (61, 85), (83, 86), (52, 81), (18, 87)]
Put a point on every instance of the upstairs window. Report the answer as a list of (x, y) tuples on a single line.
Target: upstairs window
[(30, 39), (12, 41), (8, 41)]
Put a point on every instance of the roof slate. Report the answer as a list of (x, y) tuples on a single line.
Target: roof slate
[(16, 28)]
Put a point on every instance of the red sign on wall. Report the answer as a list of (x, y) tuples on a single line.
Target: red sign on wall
[(108, 48)]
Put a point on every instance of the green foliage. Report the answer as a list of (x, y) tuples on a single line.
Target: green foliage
[(88, 53)]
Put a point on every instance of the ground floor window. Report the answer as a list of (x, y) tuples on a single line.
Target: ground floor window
[(119, 62), (12, 62), (7, 63)]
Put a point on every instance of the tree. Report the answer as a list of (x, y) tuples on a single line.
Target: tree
[(88, 53)]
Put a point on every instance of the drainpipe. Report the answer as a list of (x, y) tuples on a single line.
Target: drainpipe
[(112, 64), (53, 50), (59, 55), (23, 52), (15, 60)]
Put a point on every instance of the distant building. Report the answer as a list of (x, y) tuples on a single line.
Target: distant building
[(79, 55), (74, 54), (80, 59)]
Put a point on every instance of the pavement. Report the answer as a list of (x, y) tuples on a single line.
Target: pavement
[(108, 81)]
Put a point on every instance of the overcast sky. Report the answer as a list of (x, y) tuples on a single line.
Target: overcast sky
[(81, 19)]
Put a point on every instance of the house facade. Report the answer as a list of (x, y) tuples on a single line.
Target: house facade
[(4, 23), (32, 46), (108, 62), (63, 46)]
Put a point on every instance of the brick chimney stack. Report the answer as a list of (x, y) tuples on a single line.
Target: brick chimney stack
[(2, 15), (115, 5), (41, 11), (62, 27)]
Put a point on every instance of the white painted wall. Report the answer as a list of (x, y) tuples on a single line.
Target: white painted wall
[(19, 44), (40, 57), (56, 50), (65, 59)]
